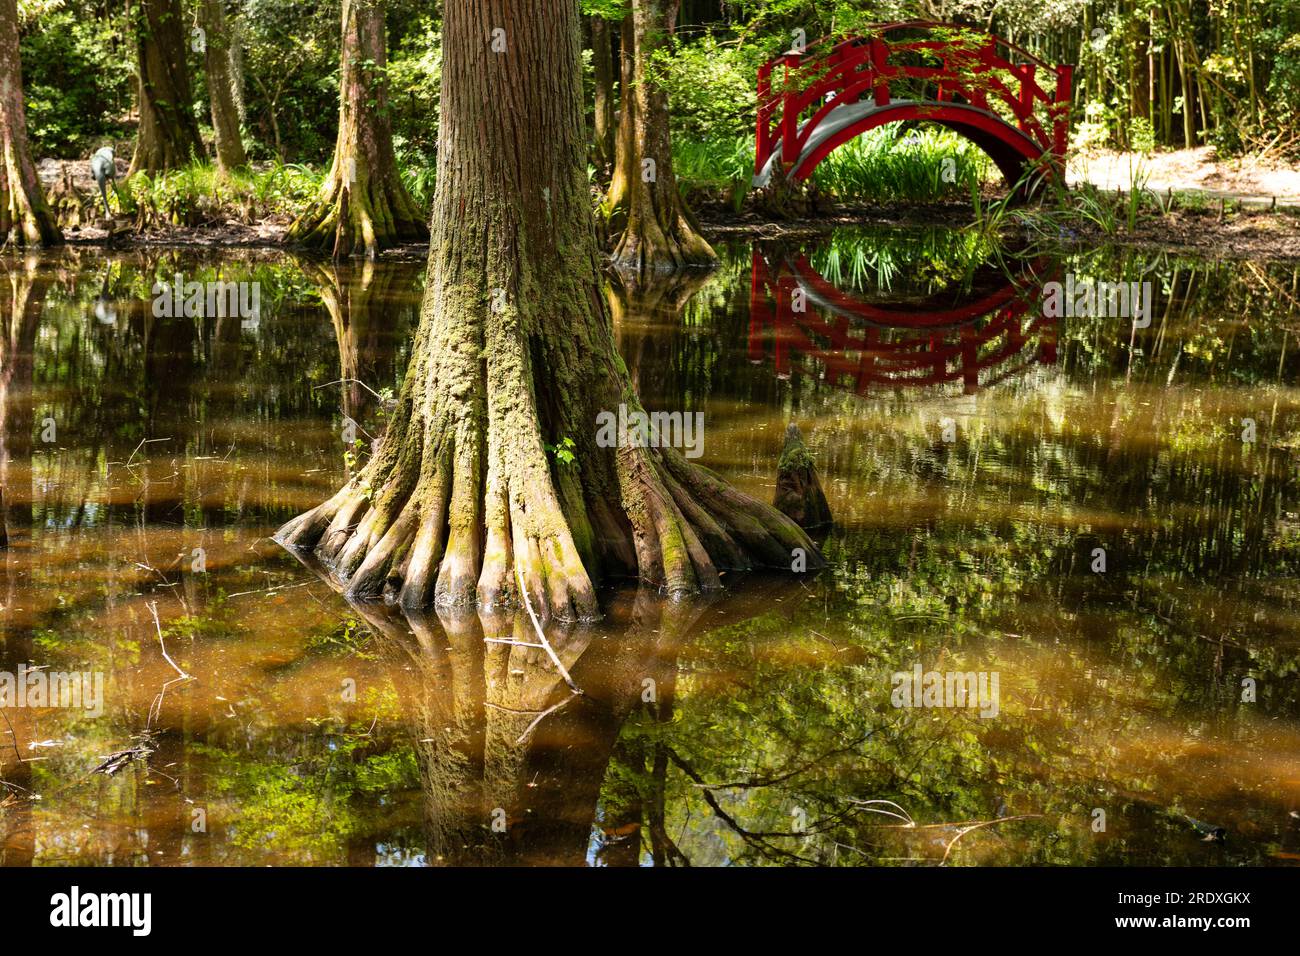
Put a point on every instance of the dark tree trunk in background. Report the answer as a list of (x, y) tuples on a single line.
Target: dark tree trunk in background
[(602, 56), (169, 134), (221, 87), (362, 206), (25, 217), (659, 234), (515, 352)]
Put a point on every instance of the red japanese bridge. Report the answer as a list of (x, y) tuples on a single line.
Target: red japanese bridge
[(865, 346), (974, 83)]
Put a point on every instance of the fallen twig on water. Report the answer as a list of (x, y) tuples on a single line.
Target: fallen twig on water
[(352, 381), (980, 825), (542, 716), (155, 709), (120, 759)]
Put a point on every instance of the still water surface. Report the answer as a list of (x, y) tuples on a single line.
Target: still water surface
[(977, 457)]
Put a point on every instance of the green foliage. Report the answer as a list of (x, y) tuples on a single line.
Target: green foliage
[(291, 62), (414, 88), (705, 166), (710, 85), (912, 261), (77, 89), (563, 451), (200, 193), (893, 164)]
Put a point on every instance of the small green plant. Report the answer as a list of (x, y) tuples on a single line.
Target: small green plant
[(352, 455), (894, 164), (1142, 141), (564, 451)]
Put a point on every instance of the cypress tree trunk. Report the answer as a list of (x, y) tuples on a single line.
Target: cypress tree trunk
[(25, 218), (602, 56), (169, 133), (515, 352), (616, 199), (362, 206), (659, 234), (221, 87)]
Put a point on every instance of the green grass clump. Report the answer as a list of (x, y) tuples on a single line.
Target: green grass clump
[(890, 164), (897, 164), (200, 194)]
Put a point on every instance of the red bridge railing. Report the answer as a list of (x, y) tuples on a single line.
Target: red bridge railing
[(971, 66)]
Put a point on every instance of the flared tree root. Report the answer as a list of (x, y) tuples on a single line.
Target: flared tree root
[(358, 216), (462, 497)]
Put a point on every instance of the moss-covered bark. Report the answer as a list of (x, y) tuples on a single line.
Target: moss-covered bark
[(658, 232), (515, 352), (25, 217), (362, 207), (798, 489), (169, 134)]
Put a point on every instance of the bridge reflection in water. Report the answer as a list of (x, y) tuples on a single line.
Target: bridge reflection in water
[(863, 345)]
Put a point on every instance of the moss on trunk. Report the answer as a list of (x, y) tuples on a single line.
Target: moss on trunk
[(514, 353)]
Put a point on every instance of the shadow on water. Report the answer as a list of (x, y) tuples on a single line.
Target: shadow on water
[(977, 456)]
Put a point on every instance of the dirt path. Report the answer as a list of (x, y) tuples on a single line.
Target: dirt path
[(1247, 180)]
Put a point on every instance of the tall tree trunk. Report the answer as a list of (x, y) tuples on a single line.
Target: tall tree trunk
[(362, 206), (659, 233), (235, 31), (25, 218), (602, 56), (221, 87), (169, 133), (515, 353), (616, 199)]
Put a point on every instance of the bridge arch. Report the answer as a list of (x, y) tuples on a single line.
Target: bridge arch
[(983, 88)]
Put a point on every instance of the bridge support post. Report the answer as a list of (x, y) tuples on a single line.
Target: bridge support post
[(1061, 114), (1026, 96), (763, 142), (880, 67)]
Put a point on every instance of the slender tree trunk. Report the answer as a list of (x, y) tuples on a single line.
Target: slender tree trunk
[(602, 55), (624, 136), (362, 206), (169, 134), (659, 234), (221, 87), (25, 217), (235, 32), (515, 353)]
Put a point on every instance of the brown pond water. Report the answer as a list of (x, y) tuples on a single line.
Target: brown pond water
[(975, 455)]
